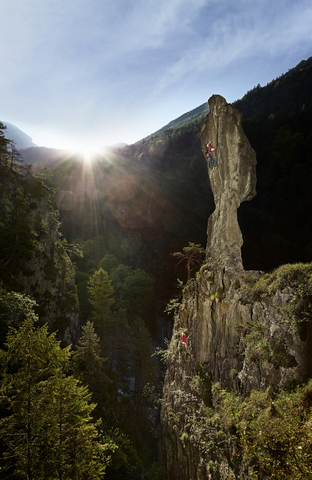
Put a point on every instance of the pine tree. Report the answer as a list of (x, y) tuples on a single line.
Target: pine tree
[(32, 357), (91, 367), (4, 144), (47, 431), (101, 291), (192, 254)]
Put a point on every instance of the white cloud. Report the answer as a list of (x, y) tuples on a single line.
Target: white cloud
[(72, 63), (240, 36)]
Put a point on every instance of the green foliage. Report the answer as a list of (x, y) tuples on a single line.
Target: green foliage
[(267, 432), (258, 345), (236, 284), (13, 304), (90, 367), (255, 342), (14, 307), (277, 229), (18, 238), (101, 297), (157, 472), (119, 385), (85, 307), (276, 436), (135, 291), (108, 262), (294, 279), (163, 353), (137, 295), (4, 143), (93, 251), (118, 276), (173, 306), (192, 254), (124, 462), (295, 276), (47, 430)]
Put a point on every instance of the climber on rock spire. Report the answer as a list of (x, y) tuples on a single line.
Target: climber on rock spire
[(210, 154), (184, 342)]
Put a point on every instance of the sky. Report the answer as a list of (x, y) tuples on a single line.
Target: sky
[(81, 74)]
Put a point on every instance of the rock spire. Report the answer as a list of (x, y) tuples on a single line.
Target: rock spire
[(232, 179)]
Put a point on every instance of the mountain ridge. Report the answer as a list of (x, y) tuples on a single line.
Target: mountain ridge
[(21, 139), (246, 105)]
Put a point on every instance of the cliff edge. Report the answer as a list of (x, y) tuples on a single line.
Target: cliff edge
[(238, 324)]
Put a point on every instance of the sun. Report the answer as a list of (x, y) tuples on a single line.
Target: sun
[(88, 152)]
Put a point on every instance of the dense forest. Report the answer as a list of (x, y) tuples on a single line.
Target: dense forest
[(91, 407), (87, 269)]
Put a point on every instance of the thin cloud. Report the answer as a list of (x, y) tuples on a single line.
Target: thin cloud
[(73, 65), (241, 36)]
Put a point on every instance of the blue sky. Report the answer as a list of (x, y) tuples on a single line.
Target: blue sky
[(84, 73)]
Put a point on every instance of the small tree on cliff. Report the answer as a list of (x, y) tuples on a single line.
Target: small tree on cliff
[(193, 254)]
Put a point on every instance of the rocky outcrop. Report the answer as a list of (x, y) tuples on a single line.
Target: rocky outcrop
[(232, 179), (234, 341)]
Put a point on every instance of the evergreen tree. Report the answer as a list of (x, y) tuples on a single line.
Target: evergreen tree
[(192, 254), (47, 430), (72, 449), (91, 367), (101, 298), (137, 295), (135, 290), (4, 143)]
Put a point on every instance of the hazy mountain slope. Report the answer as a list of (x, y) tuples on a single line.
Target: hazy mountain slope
[(184, 119), (43, 156), (21, 139)]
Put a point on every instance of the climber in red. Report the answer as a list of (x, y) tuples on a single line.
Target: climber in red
[(211, 157), (184, 342)]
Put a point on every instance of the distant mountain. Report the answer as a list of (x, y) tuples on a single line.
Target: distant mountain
[(21, 139), (184, 119), (116, 146), (43, 156)]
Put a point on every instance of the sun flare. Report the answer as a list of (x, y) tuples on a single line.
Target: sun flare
[(88, 151)]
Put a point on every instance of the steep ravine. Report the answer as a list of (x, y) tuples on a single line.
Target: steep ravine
[(237, 341)]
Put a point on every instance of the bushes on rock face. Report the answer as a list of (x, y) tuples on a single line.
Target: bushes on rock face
[(268, 431), (273, 433), (294, 276), (292, 279), (259, 345)]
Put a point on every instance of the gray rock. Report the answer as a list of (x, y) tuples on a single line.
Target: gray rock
[(232, 179)]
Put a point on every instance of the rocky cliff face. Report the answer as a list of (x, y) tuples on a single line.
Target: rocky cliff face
[(34, 260), (235, 342)]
